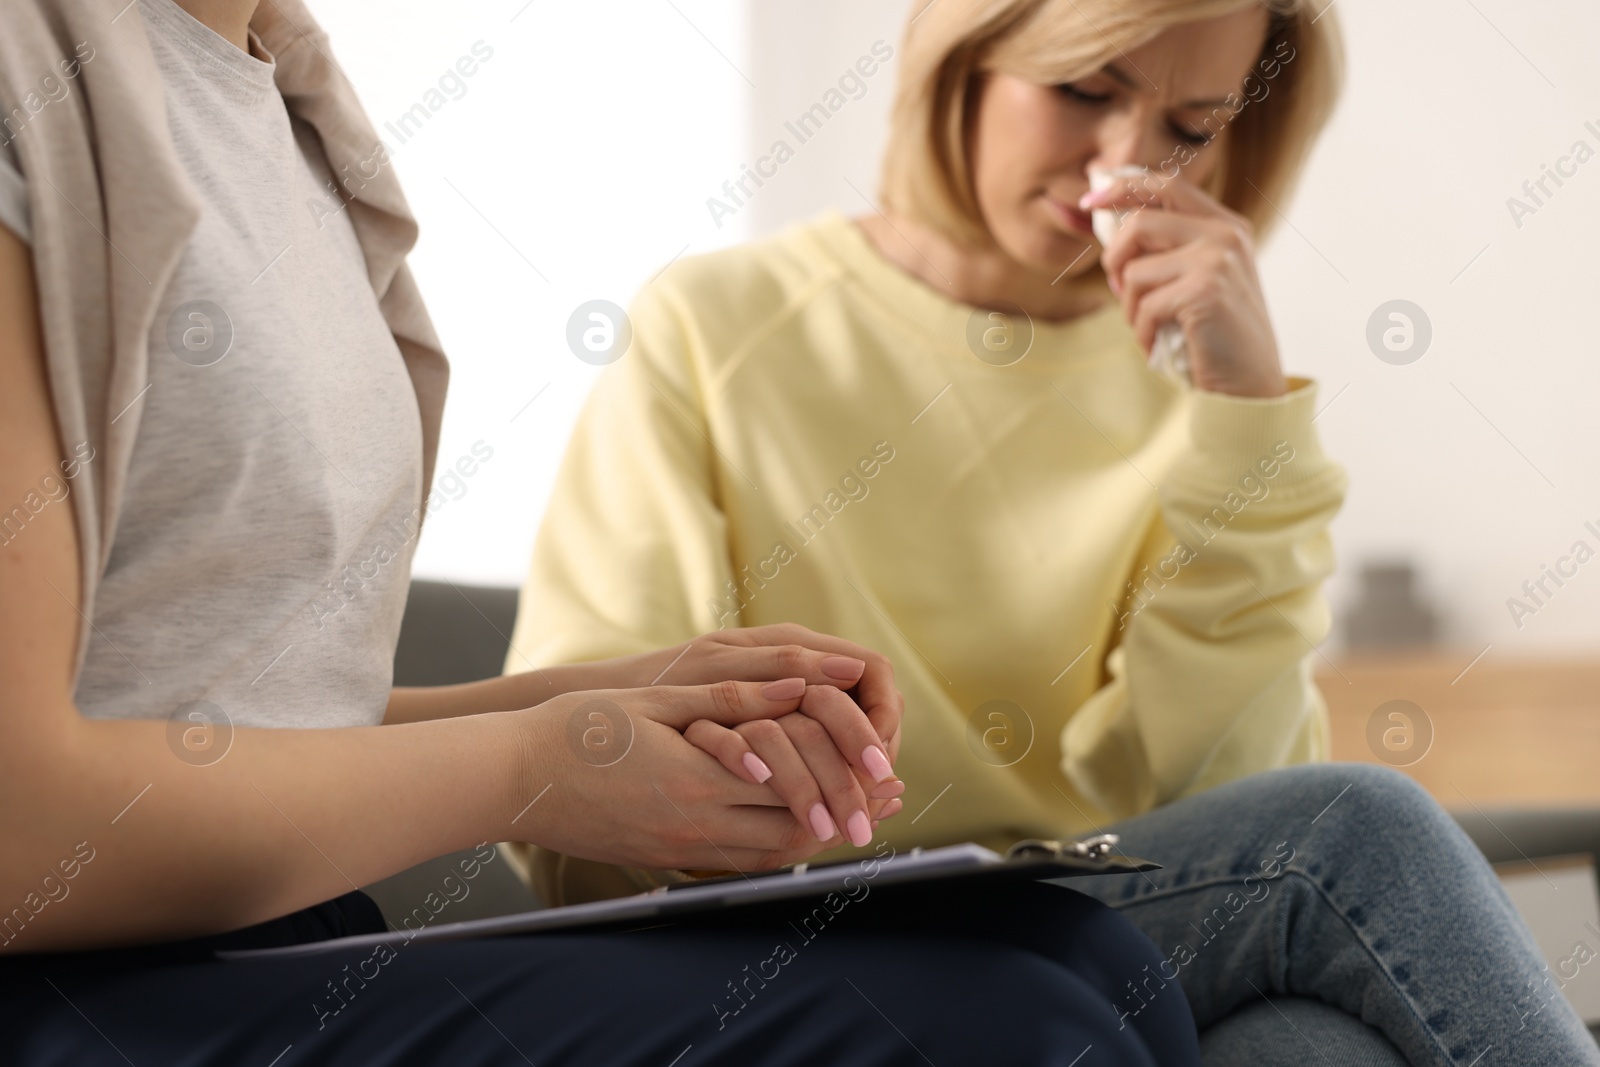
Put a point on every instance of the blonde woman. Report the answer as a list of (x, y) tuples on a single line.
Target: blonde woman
[(932, 430)]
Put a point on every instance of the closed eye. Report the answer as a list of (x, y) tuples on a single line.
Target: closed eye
[(1072, 92), (1088, 99)]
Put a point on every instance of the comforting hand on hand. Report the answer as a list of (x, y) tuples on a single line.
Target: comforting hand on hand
[(766, 653), (801, 756), (614, 780), (805, 734)]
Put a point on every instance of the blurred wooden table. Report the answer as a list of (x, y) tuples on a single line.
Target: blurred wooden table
[(1506, 732)]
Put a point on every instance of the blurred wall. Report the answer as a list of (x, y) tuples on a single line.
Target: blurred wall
[(570, 165), (1480, 460)]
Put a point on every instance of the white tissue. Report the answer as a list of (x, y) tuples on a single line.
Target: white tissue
[(1168, 356)]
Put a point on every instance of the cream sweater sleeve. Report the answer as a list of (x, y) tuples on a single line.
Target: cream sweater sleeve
[(633, 545), (1212, 672)]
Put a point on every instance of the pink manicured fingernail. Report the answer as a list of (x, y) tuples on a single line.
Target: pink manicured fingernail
[(860, 829), (876, 763), (885, 790), (822, 823), (755, 766), (784, 689), (843, 668), (892, 808), (1093, 199)]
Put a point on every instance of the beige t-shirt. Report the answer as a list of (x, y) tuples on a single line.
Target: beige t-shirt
[(261, 559)]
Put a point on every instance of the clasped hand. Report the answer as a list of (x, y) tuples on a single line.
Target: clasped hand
[(740, 750)]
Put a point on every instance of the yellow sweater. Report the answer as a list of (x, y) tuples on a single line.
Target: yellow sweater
[(1099, 590)]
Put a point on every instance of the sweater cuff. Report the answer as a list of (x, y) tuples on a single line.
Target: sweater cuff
[(1233, 435)]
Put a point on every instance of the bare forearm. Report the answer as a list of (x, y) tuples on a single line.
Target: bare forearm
[(408, 704), (284, 819), (524, 690)]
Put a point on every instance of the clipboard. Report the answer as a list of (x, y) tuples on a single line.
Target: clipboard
[(1030, 860)]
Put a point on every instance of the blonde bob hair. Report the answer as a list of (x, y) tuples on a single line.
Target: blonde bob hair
[(951, 44)]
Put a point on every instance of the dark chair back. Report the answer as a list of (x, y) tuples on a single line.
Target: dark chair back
[(453, 633)]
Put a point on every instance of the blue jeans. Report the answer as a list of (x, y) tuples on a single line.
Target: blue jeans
[(1335, 914)]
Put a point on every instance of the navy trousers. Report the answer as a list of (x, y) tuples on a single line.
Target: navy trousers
[(1028, 974)]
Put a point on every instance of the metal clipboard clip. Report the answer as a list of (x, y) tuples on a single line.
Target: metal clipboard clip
[(1096, 849)]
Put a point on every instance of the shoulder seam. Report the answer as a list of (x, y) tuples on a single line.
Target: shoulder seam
[(791, 307)]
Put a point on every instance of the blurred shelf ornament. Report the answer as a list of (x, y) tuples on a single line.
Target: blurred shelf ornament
[(1388, 611)]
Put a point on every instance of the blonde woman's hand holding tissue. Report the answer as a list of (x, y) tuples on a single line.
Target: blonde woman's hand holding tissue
[(1179, 257)]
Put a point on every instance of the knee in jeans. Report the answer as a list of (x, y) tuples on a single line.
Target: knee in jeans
[(1379, 811), (1357, 793), (1384, 800)]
